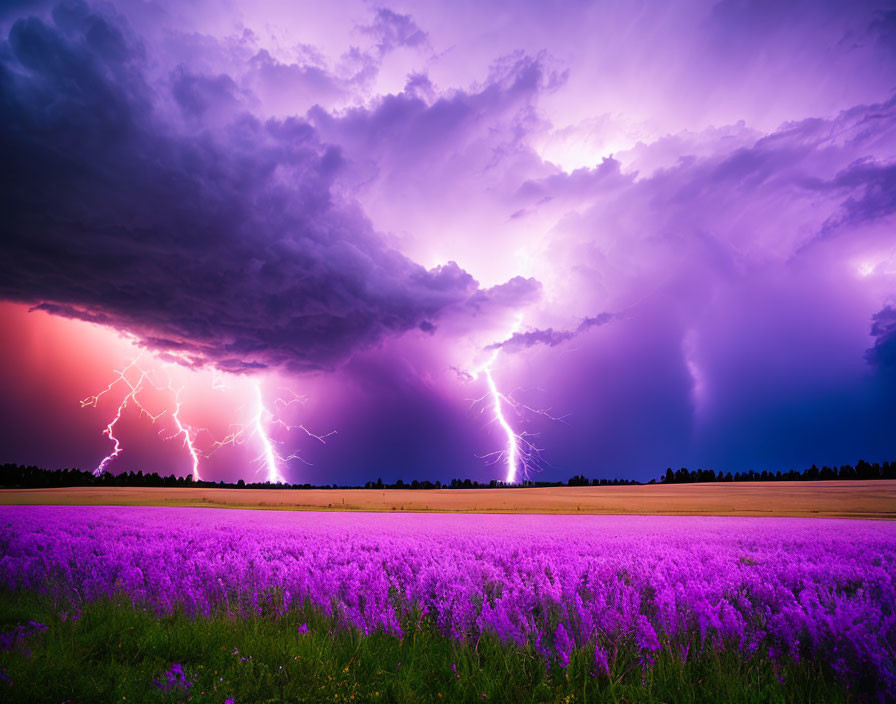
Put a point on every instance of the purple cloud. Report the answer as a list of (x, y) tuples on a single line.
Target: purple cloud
[(392, 30), (883, 353), (229, 245), (522, 340)]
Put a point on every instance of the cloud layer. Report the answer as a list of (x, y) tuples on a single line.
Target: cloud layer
[(674, 228), (224, 245)]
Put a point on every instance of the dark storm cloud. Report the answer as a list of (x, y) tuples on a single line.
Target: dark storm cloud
[(874, 184), (523, 340), (883, 328), (228, 246), (883, 29), (197, 94), (404, 131), (393, 30)]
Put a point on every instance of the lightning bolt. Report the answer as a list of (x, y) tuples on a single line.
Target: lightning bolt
[(130, 397), (135, 378), (515, 443), (269, 458), (511, 452), (268, 454), (185, 430), (521, 455)]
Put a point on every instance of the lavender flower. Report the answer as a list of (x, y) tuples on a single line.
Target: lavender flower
[(174, 679), (820, 589)]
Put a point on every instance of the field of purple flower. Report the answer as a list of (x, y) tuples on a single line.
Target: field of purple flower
[(639, 587)]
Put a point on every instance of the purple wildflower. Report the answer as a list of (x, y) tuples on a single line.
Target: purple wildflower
[(16, 637), (645, 635), (601, 663), (174, 679), (814, 592), (562, 644)]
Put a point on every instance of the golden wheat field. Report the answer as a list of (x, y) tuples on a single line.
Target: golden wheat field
[(846, 499)]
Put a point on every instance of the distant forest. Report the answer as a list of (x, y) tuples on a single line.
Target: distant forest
[(14, 476), (862, 470)]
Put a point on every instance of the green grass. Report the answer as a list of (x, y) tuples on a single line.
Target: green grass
[(114, 651)]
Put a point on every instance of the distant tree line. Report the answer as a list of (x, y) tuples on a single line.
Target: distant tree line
[(494, 484), (14, 476), (862, 470), (30, 477)]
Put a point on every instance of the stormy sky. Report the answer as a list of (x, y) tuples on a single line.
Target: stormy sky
[(667, 233)]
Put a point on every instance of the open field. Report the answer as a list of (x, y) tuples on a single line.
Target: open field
[(839, 499), (147, 604)]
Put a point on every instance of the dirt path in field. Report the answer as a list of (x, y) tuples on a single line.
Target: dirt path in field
[(844, 499)]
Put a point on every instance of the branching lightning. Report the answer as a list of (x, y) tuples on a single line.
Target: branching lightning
[(521, 455), (135, 379), (264, 418), (185, 430), (511, 453), (268, 454), (269, 458), (131, 396)]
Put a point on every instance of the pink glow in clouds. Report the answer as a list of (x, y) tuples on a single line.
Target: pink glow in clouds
[(143, 404), (690, 211)]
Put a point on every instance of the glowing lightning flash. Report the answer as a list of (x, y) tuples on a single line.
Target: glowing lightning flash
[(511, 452), (135, 388), (185, 431), (520, 455), (268, 454), (135, 378), (269, 457)]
